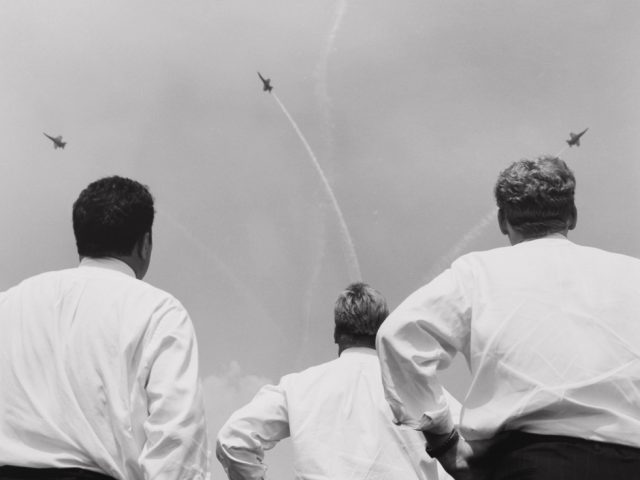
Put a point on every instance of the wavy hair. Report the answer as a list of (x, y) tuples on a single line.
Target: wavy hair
[(536, 197)]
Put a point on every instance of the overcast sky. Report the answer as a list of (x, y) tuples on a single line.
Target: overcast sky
[(411, 108)]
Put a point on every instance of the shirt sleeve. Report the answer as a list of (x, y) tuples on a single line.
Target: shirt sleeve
[(419, 338), (256, 427), (176, 439)]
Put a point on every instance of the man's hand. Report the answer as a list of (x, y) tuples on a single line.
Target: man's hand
[(459, 459), (456, 461)]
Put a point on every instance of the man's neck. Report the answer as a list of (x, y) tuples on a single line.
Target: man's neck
[(360, 344), (132, 262), (517, 237), (111, 263)]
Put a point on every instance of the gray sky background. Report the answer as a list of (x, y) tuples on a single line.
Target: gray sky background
[(411, 107)]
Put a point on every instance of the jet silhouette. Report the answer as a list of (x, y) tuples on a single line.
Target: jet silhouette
[(575, 138), (57, 141), (266, 83)]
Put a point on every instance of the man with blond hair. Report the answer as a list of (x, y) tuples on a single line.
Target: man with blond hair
[(335, 413)]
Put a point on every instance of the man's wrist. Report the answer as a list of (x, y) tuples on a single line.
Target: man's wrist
[(438, 445)]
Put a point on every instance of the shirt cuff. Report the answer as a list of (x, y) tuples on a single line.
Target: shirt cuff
[(437, 422)]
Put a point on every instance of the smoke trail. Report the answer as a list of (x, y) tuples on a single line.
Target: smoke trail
[(561, 151), (459, 248), (322, 90), (350, 251)]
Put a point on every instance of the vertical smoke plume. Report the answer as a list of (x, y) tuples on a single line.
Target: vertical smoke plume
[(322, 90), (325, 105)]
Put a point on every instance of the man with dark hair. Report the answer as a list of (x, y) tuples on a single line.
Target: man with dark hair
[(98, 369), (335, 413), (550, 331), (111, 217)]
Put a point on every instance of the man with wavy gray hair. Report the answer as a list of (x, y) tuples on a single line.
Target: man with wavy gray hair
[(335, 413), (550, 331)]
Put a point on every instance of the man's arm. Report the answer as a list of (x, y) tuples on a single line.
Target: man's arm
[(251, 430), (176, 438), (419, 338)]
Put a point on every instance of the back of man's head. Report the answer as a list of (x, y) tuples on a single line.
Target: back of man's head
[(359, 311), (111, 216), (536, 197)]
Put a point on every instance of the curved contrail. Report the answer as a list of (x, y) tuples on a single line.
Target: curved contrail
[(325, 104), (350, 251), (459, 248)]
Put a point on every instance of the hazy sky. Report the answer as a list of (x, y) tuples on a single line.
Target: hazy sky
[(411, 107)]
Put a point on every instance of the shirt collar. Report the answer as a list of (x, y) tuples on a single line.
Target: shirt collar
[(551, 236), (108, 263), (358, 351)]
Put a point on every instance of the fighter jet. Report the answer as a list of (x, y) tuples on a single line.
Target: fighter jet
[(266, 83), (575, 138), (57, 141)]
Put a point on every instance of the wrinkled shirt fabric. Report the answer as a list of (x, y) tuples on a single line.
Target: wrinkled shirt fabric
[(99, 371), (550, 330), (339, 423)]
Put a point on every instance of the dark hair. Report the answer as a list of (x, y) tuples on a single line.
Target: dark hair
[(536, 197), (110, 216), (359, 311)]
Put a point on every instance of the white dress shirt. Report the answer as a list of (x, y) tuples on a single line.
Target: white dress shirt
[(99, 370), (550, 330), (339, 423)]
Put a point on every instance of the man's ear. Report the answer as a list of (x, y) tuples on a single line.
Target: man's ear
[(573, 219), (502, 222), (144, 246)]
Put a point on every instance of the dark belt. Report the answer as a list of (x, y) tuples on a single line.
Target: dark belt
[(9, 472)]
